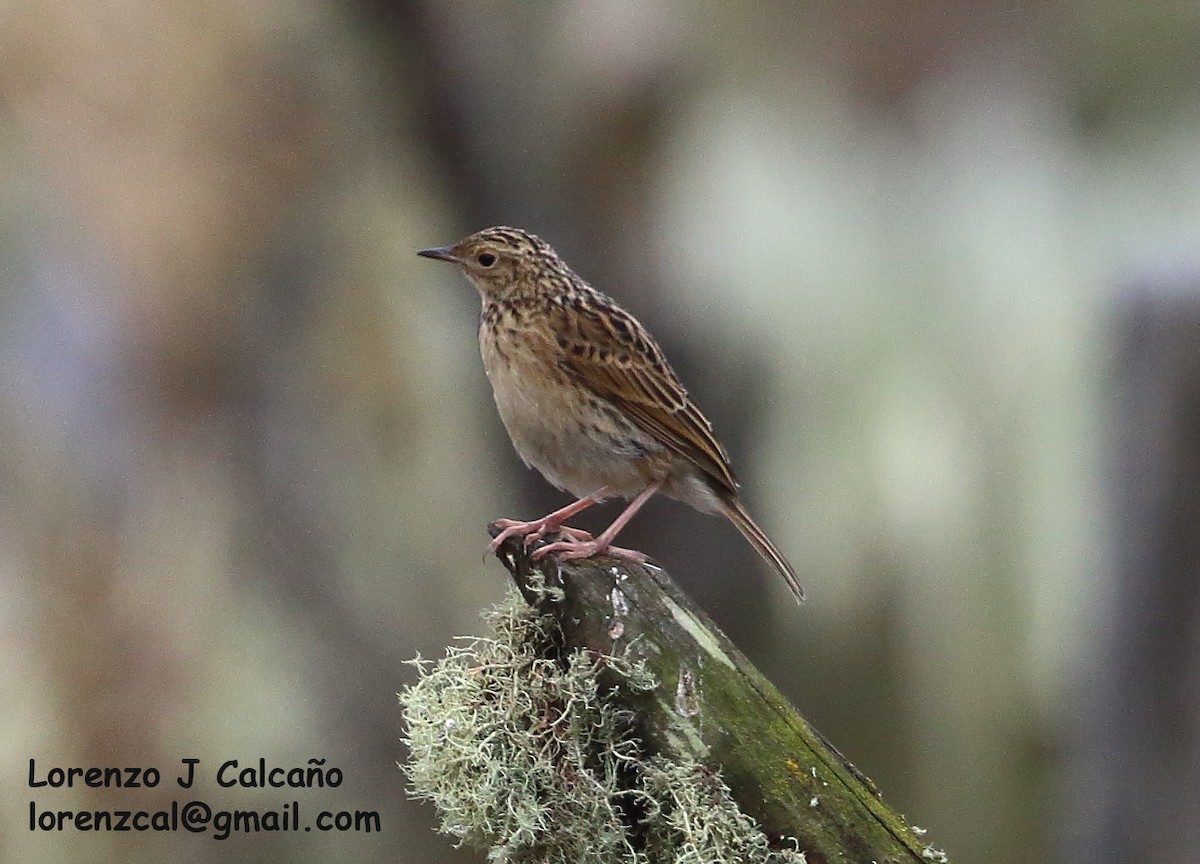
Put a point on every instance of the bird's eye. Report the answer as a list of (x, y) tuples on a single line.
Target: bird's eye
[(485, 259)]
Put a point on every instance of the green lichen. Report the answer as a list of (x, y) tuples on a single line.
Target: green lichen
[(691, 817), (525, 754)]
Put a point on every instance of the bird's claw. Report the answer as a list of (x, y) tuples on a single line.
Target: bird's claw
[(532, 532), (575, 535), (510, 527), (574, 549)]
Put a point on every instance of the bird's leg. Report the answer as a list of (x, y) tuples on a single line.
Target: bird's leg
[(603, 544), (548, 524)]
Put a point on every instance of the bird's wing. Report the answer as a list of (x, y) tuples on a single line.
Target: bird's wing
[(610, 353)]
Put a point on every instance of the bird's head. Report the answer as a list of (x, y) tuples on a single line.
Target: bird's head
[(502, 262)]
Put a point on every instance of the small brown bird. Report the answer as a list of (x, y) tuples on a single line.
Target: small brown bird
[(589, 399)]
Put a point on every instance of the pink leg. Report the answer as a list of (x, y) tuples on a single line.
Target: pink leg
[(587, 548), (548, 524)]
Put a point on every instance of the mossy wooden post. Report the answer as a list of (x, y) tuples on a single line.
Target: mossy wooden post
[(714, 708)]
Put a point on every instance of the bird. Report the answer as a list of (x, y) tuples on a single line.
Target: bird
[(590, 401)]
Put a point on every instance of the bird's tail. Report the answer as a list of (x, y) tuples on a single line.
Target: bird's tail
[(736, 513)]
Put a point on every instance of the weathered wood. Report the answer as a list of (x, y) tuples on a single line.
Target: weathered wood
[(713, 707)]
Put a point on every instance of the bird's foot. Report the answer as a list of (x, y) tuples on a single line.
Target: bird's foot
[(533, 531), (579, 548), (576, 534)]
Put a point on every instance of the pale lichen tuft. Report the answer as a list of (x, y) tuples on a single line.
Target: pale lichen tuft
[(527, 755)]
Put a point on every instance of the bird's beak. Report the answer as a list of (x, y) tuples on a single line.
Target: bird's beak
[(441, 253)]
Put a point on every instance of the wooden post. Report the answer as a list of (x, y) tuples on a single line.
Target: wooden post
[(714, 708)]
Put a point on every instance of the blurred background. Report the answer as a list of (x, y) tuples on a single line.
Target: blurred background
[(931, 267)]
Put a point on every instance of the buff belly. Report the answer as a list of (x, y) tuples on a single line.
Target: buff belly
[(577, 440)]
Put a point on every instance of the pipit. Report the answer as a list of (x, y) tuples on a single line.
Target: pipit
[(589, 400)]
